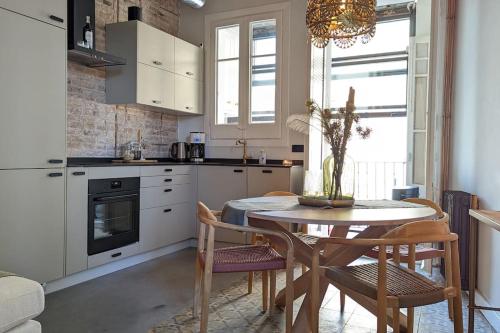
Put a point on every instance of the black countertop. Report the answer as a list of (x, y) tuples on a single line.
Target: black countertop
[(108, 162)]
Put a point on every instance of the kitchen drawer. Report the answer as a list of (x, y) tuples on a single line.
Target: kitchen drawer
[(156, 181), (114, 172), (166, 195), (162, 170), (262, 180), (162, 226), (113, 255)]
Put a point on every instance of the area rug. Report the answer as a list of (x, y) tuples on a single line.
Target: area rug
[(233, 310)]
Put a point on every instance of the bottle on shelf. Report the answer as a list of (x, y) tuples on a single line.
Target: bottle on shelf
[(88, 34)]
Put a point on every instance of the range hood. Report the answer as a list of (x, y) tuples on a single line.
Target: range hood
[(78, 10)]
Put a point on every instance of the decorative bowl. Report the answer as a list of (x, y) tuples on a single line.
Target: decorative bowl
[(325, 202)]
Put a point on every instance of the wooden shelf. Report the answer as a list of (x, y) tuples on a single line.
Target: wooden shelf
[(491, 218)]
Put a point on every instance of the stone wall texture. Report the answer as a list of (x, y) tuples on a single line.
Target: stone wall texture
[(95, 128)]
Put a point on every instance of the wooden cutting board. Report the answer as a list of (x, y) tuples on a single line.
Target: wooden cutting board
[(135, 161)]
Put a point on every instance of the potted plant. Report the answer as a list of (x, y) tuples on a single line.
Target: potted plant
[(337, 130)]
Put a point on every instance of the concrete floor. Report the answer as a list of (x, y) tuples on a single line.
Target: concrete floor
[(131, 300)]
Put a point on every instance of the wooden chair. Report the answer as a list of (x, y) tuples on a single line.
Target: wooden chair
[(388, 283), (246, 258), (422, 251)]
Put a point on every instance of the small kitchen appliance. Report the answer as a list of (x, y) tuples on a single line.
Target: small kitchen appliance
[(197, 146), (179, 151)]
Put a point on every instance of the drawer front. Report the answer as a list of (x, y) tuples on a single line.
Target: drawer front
[(162, 226), (166, 170), (166, 195), (158, 181), (114, 172), (113, 255), (262, 180)]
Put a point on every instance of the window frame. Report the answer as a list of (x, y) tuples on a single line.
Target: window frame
[(271, 134)]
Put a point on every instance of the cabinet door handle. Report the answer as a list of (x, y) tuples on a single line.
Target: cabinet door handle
[(267, 171), (155, 101), (190, 73), (56, 18), (168, 180), (55, 161), (115, 255), (55, 174), (158, 63), (168, 210), (189, 108), (168, 170), (79, 173), (167, 190), (238, 171)]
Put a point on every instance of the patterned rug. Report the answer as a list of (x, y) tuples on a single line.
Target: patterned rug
[(233, 310)]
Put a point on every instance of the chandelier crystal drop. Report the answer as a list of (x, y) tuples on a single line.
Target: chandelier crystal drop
[(343, 21)]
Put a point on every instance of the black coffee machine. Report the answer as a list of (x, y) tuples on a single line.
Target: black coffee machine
[(197, 146)]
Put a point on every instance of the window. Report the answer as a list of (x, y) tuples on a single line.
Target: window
[(378, 71), (244, 83)]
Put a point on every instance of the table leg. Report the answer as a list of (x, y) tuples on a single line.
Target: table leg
[(472, 271)]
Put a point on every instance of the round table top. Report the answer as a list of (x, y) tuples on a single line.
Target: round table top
[(392, 216)]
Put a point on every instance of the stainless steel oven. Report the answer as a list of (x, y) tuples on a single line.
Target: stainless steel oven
[(113, 213)]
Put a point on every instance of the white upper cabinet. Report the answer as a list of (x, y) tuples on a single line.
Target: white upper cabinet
[(154, 47), (155, 87), (161, 70), (32, 92), (188, 60), (50, 11)]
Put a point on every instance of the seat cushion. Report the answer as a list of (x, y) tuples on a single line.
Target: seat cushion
[(412, 289), (246, 258), (29, 326), (20, 300)]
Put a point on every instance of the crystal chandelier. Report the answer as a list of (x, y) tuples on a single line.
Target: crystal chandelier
[(341, 20)]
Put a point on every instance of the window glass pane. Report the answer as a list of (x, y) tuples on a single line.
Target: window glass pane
[(390, 36), (227, 92), (263, 76), (227, 75), (228, 42)]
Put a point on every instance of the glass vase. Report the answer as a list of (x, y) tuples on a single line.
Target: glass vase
[(347, 182)]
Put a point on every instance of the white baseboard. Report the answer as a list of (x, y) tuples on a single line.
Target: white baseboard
[(96, 272), (492, 317)]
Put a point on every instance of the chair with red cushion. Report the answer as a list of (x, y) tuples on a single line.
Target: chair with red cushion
[(247, 258)]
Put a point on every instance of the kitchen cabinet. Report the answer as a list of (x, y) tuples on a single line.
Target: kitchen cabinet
[(155, 87), (188, 94), (49, 11), (32, 92), (154, 47), (162, 226), (216, 186), (149, 77), (32, 223), (262, 180), (188, 60), (76, 219)]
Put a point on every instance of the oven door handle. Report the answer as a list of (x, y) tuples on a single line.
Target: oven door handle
[(116, 197)]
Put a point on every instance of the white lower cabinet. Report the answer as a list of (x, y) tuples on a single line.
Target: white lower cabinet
[(162, 226), (77, 183), (262, 180), (32, 223), (216, 186)]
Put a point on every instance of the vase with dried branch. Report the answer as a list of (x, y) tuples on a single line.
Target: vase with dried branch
[(337, 130)]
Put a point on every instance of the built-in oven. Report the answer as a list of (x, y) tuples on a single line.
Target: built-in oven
[(113, 213)]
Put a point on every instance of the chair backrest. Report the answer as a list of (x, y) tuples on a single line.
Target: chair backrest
[(421, 231), (428, 203), (280, 194)]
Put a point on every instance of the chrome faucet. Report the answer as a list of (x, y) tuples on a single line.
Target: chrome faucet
[(245, 154)]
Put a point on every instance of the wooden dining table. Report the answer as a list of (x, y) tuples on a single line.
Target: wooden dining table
[(378, 220)]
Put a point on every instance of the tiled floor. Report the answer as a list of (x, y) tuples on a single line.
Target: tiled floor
[(142, 297)]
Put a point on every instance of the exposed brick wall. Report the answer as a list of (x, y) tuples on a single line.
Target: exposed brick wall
[(97, 129)]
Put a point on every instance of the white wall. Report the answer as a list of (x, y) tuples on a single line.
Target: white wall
[(476, 134), (192, 28)]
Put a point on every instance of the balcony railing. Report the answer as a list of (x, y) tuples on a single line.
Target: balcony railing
[(375, 180)]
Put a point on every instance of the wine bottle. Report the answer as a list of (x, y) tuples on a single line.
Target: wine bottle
[(88, 34)]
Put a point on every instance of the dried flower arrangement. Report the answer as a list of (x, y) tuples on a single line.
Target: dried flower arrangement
[(336, 128)]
